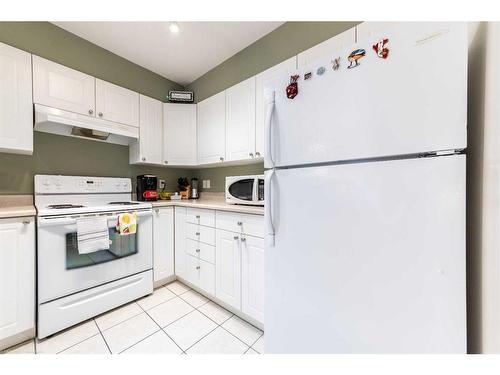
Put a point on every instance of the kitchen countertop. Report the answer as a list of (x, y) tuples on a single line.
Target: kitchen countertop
[(212, 201), (16, 206)]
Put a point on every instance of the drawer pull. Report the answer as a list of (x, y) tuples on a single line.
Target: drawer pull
[(198, 267), (197, 250), (197, 216), (197, 233), (243, 239), (240, 223), (236, 237)]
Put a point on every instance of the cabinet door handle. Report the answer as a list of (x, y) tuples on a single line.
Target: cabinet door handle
[(26, 222), (221, 158), (257, 154), (143, 159), (91, 111), (197, 233), (251, 154), (197, 250), (100, 114), (243, 239), (198, 267), (239, 223), (157, 210), (235, 237), (198, 216)]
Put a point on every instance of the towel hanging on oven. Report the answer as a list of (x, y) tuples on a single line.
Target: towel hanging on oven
[(92, 234), (127, 224)]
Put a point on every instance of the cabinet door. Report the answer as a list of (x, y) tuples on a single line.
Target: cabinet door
[(16, 104), (115, 103), (286, 68), (212, 129), (252, 277), (163, 243), (149, 148), (228, 268), (17, 276), (179, 134), (57, 86), (180, 242), (319, 51), (240, 121)]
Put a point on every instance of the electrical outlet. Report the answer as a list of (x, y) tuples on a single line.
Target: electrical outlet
[(204, 184), (208, 184)]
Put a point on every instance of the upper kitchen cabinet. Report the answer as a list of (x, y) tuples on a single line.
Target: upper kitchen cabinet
[(60, 87), (179, 134), (281, 71), (320, 50), (240, 121), (212, 129), (117, 104), (149, 148), (16, 104)]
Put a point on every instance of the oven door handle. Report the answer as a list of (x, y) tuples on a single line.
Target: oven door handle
[(71, 220)]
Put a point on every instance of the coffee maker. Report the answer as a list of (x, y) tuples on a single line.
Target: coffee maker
[(194, 188), (147, 188)]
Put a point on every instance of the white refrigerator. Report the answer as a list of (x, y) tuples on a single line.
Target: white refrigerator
[(365, 198)]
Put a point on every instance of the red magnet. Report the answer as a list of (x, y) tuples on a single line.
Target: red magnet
[(293, 88), (380, 48)]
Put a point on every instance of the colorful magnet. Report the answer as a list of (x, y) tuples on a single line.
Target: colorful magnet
[(336, 63), (354, 57), (380, 48), (308, 75), (293, 88), (320, 71)]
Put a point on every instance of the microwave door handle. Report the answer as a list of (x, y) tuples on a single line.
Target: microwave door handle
[(268, 156), (255, 190)]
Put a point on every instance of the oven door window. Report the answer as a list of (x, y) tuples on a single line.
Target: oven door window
[(242, 189), (120, 246)]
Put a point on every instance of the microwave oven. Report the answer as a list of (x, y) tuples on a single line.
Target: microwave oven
[(245, 190)]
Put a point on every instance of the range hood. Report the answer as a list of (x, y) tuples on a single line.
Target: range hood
[(57, 121)]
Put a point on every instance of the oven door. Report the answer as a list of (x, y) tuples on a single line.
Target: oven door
[(62, 270), (242, 191)]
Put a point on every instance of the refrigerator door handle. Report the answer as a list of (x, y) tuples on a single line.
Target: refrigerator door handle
[(268, 157), (267, 207)]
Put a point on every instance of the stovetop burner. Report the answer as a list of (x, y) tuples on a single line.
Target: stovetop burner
[(62, 206), (123, 203)]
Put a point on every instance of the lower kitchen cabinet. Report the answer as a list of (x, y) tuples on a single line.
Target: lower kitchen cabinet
[(228, 268), (17, 280), (252, 277), (163, 243), (201, 274)]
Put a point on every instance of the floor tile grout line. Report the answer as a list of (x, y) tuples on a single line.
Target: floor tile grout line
[(75, 344), (201, 339), (232, 334), (171, 338), (144, 338), (104, 338)]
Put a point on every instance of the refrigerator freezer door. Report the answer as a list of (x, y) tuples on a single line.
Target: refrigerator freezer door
[(412, 101), (368, 258)]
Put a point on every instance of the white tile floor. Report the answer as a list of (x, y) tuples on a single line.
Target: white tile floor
[(173, 320)]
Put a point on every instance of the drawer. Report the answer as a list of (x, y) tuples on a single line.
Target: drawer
[(200, 233), (201, 274), (201, 250), (252, 225), (200, 216)]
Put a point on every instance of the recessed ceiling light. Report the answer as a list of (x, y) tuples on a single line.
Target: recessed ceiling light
[(174, 27)]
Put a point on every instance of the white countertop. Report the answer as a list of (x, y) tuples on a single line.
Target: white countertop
[(16, 206), (212, 201)]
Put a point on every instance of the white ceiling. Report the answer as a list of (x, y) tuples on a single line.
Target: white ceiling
[(182, 57)]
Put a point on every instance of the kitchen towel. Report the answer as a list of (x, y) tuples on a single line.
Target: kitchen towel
[(127, 224), (92, 234)]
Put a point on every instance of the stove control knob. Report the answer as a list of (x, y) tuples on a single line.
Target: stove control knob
[(57, 182), (46, 182), (125, 184)]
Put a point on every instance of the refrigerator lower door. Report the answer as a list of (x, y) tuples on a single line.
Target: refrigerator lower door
[(367, 258)]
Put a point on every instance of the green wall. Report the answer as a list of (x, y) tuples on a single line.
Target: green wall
[(64, 155), (286, 41)]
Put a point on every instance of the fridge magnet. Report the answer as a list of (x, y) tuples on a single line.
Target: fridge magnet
[(320, 71), (308, 75), (354, 57), (380, 48), (293, 88), (336, 63)]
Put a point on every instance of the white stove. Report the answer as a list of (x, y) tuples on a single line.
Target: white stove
[(73, 285)]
